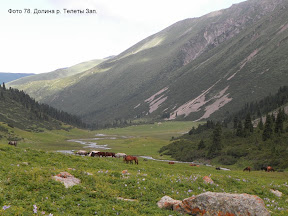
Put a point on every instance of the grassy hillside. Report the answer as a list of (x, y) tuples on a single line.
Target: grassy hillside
[(42, 85), (27, 185)]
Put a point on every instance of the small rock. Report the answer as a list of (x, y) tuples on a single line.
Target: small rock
[(276, 193), (167, 202), (68, 179), (130, 200), (87, 173), (125, 172), (208, 180)]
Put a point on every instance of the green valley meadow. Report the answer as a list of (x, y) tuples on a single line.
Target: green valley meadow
[(109, 186)]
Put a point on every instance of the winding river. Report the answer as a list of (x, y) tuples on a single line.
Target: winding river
[(92, 144)]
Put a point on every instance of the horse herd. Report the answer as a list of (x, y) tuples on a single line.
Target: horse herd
[(130, 158), (126, 158), (265, 168)]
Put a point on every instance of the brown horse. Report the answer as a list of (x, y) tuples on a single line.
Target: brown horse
[(270, 169), (103, 154), (247, 169), (110, 154), (130, 158)]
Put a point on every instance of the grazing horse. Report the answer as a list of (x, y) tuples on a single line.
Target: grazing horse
[(130, 158), (270, 169), (119, 155), (82, 152), (103, 154), (93, 153), (247, 169), (108, 154), (218, 168), (264, 168), (12, 143), (171, 162)]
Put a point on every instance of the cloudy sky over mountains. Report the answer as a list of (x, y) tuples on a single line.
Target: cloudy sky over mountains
[(42, 42)]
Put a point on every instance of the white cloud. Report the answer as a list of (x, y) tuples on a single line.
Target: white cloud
[(44, 42)]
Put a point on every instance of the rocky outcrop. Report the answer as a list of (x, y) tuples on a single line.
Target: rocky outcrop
[(221, 204), (67, 179)]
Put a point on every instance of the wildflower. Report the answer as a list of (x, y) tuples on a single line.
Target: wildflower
[(50, 214), (6, 207), (35, 208), (189, 191)]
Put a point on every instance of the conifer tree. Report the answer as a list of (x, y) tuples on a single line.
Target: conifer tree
[(239, 131), (235, 122), (268, 131), (260, 124), (279, 122), (201, 145), (216, 145), (248, 123)]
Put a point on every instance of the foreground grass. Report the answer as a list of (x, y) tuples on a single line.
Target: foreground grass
[(25, 179)]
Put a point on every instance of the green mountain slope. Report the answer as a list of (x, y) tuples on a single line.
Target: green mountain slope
[(41, 85), (195, 69)]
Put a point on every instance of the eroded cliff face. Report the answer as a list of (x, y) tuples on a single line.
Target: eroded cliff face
[(225, 27)]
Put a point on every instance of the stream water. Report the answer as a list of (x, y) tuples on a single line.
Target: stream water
[(92, 144)]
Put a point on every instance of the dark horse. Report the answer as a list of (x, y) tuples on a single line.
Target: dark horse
[(264, 168), (130, 159), (12, 143), (108, 154), (103, 154), (247, 169)]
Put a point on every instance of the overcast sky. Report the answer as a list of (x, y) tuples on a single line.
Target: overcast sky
[(37, 43)]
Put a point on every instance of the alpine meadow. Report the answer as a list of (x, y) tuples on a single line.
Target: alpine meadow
[(201, 109)]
